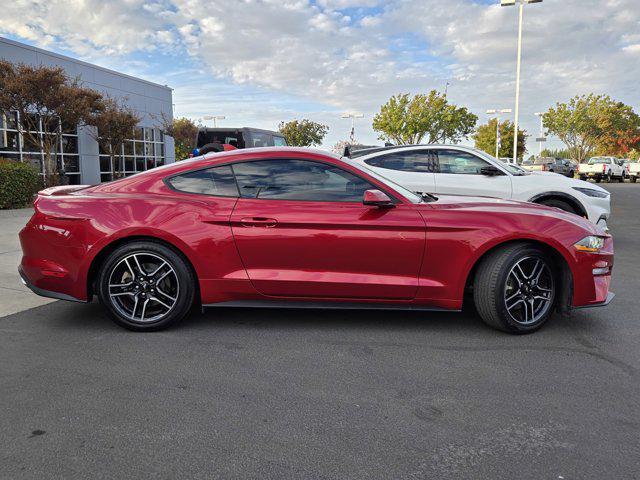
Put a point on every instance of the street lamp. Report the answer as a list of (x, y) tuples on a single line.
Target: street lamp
[(353, 117), (214, 118), (510, 3), (541, 139), (497, 112)]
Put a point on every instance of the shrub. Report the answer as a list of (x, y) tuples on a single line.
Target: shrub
[(19, 182)]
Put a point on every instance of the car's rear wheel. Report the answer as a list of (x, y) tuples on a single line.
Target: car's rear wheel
[(515, 289), (146, 286), (561, 204), (633, 179), (607, 178)]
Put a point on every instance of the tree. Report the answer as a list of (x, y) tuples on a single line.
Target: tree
[(303, 133), (45, 99), (485, 138), (590, 122), (184, 132), (557, 153), (407, 120), (114, 124)]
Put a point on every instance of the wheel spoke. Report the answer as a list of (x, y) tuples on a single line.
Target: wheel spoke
[(144, 307), (135, 306), (153, 274), (156, 299), (165, 294), (120, 294), (133, 275), (515, 304), (535, 269), (135, 258)]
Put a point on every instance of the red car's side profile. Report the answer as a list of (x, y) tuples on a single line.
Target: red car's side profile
[(298, 227)]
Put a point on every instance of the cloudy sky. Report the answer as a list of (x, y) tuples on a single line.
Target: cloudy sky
[(262, 61)]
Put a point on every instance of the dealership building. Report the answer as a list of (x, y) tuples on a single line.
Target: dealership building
[(84, 162)]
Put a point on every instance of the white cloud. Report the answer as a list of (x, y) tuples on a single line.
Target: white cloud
[(316, 53)]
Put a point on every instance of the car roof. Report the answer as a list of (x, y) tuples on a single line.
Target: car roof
[(370, 151)]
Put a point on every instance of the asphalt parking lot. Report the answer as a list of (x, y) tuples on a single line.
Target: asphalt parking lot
[(244, 394)]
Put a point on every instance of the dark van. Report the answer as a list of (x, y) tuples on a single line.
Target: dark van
[(245, 137)]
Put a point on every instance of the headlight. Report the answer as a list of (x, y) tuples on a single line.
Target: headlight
[(590, 192), (590, 244)]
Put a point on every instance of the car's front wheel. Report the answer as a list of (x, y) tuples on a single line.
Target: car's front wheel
[(146, 286), (557, 203), (514, 289)]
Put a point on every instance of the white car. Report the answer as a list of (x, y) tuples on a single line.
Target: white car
[(633, 170), (602, 168), (459, 170)]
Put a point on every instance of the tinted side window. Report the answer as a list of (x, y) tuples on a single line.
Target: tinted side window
[(212, 181), (420, 161), (259, 139), (457, 162), (279, 141), (298, 180)]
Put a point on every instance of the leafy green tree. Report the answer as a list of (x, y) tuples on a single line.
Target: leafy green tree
[(590, 123), (557, 153), (45, 99), (114, 124), (406, 120), (184, 133), (485, 138), (303, 133)]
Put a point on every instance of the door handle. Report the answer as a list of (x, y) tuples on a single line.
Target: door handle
[(258, 222)]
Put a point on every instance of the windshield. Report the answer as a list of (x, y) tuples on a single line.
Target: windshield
[(510, 167), (595, 160), (528, 161), (408, 194)]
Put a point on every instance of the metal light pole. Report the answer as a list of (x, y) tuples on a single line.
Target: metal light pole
[(510, 3), (352, 116), (214, 118), (541, 138), (497, 112)]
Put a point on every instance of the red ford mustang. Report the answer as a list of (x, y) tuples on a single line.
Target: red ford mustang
[(301, 228)]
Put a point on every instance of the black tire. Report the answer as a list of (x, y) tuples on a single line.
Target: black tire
[(493, 284), (583, 178), (607, 178), (622, 177), (633, 179), (571, 174), (598, 179), (131, 267), (561, 204)]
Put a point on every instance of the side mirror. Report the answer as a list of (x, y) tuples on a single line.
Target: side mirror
[(377, 198), (490, 171)]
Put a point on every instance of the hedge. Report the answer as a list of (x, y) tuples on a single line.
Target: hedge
[(19, 182)]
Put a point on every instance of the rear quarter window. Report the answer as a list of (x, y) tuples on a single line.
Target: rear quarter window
[(218, 181)]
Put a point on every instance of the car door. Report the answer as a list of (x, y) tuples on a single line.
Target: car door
[(460, 173), (302, 231), (413, 169)]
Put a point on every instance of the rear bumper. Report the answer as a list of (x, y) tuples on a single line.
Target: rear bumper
[(46, 293)]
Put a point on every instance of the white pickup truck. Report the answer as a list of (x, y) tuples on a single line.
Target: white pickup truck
[(602, 168), (633, 170)]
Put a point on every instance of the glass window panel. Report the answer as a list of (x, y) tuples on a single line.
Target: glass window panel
[(213, 181), (29, 145), (298, 180), (159, 149), (148, 134), (139, 149), (128, 147), (71, 163), (9, 120), (69, 128), (139, 164), (9, 141), (462, 163), (69, 144), (74, 179), (137, 133), (105, 177), (149, 163), (10, 156), (148, 149), (129, 164), (31, 123), (33, 160), (50, 124), (159, 161), (105, 164)]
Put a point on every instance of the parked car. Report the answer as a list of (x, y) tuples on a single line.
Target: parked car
[(302, 228), (245, 137), (633, 170), (459, 170), (550, 164), (602, 168)]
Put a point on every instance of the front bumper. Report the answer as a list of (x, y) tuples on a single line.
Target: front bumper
[(607, 301)]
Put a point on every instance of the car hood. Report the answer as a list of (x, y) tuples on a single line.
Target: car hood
[(490, 205), (555, 180)]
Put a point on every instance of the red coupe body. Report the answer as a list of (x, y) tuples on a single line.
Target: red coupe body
[(254, 250)]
